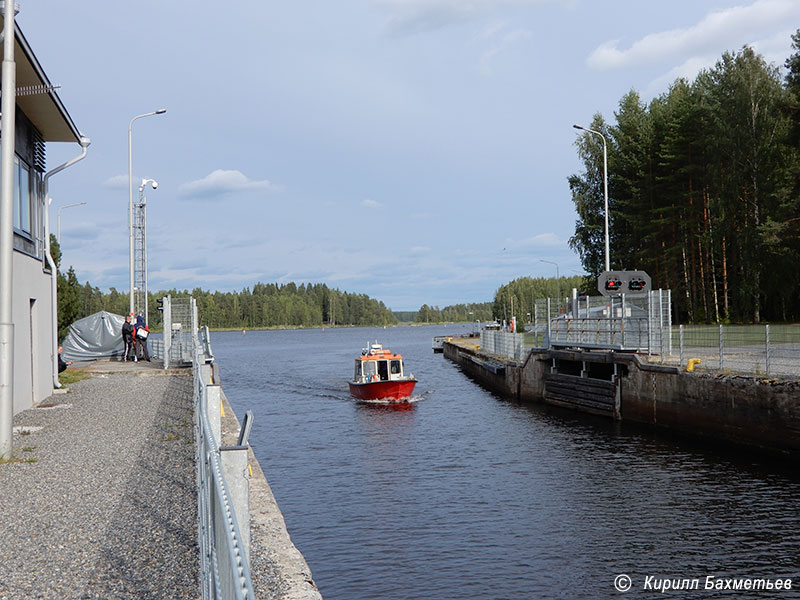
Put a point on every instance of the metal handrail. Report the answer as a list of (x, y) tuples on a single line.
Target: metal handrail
[(224, 566)]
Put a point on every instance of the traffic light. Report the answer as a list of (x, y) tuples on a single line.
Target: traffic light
[(630, 283), (160, 303), (636, 284)]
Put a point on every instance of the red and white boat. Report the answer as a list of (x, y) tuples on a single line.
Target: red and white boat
[(379, 375)]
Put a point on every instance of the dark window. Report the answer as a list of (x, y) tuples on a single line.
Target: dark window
[(383, 370)]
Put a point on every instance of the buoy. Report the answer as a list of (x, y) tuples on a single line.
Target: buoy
[(692, 363)]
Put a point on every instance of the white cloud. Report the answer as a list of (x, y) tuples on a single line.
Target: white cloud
[(117, 182), (491, 31), (687, 70), (222, 182), (415, 16), (370, 203), (503, 44), (774, 49), (541, 240), (727, 29)]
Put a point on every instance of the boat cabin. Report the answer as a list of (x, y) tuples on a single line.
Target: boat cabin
[(377, 364)]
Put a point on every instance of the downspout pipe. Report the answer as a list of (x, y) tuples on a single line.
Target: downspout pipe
[(8, 82), (85, 142)]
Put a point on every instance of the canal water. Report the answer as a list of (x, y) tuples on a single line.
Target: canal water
[(464, 495)]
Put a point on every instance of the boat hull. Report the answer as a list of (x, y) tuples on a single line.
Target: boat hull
[(381, 390)]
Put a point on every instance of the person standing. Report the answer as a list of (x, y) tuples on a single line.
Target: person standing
[(142, 331), (127, 338), (62, 364)]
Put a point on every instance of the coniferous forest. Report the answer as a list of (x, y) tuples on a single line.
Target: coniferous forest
[(704, 191)]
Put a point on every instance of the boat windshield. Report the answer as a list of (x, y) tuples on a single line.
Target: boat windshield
[(397, 368), (358, 370), (370, 367)]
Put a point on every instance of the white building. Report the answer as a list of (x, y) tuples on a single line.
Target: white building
[(40, 118)]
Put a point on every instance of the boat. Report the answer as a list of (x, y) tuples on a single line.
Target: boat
[(379, 375)]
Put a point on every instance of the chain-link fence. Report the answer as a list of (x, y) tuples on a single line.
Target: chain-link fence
[(756, 349), (180, 328), (504, 343), (769, 350), (641, 324)]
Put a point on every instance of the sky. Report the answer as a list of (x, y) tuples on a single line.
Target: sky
[(413, 150)]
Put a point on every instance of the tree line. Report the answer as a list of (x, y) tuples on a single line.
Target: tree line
[(518, 297), (265, 305), (455, 313), (704, 190)]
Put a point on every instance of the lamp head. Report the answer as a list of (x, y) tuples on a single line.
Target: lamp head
[(153, 183)]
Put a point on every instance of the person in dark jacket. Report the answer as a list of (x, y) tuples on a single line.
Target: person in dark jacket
[(142, 331), (62, 365), (127, 338)]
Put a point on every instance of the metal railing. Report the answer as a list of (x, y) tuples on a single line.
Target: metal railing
[(769, 350), (222, 490), (180, 321), (614, 333), (223, 483), (504, 343), (641, 324), (757, 349)]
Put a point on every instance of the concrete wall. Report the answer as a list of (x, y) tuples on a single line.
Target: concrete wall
[(476, 365), (33, 346), (747, 410), (763, 413)]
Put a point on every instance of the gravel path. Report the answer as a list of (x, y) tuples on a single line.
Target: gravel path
[(100, 502)]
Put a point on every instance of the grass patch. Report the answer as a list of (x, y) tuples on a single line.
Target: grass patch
[(16, 459), (72, 376)]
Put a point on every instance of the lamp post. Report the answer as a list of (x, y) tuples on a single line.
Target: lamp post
[(605, 184), (160, 111), (558, 276), (58, 219)]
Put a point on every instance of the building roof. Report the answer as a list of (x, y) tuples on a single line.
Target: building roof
[(44, 109)]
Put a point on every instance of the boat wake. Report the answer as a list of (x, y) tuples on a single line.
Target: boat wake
[(411, 400)]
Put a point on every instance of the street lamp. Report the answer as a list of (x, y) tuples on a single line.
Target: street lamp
[(58, 219), (605, 183), (160, 111), (558, 276)]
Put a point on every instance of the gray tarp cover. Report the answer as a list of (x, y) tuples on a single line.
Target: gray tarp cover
[(96, 336)]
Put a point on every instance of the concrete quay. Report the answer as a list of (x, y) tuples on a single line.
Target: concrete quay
[(100, 499), (748, 411)]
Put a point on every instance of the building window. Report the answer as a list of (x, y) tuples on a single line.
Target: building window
[(22, 197)]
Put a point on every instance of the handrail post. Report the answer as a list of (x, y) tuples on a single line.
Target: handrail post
[(233, 460)]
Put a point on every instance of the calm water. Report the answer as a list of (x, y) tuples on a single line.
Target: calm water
[(468, 496)]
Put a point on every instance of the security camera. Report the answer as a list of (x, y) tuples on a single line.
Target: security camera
[(155, 185)]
